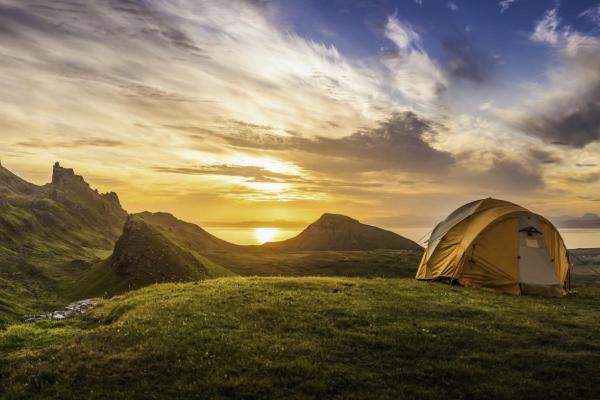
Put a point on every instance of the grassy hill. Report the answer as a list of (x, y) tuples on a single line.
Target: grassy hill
[(145, 254), (307, 338)]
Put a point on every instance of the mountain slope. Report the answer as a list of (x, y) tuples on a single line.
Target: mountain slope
[(342, 233), (46, 233), (145, 254), (190, 234), (62, 220)]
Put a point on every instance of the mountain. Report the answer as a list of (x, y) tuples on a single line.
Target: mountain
[(342, 233), (190, 234), (54, 236), (586, 221), (47, 232), (64, 219), (148, 253)]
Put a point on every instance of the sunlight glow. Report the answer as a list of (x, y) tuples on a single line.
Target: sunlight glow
[(264, 235)]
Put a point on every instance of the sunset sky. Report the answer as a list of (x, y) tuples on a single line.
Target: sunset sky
[(269, 113)]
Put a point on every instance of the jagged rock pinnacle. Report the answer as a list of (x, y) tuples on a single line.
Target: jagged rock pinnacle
[(62, 175)]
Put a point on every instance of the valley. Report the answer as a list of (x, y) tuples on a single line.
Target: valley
[(331, 313)]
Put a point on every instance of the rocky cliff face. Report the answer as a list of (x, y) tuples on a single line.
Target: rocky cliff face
[(66, 176)]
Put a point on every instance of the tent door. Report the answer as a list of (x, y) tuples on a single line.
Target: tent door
[(536, 267)]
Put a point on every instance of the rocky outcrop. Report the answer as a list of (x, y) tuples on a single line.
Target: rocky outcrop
[(66, 215), (73, 310), (66, 176)]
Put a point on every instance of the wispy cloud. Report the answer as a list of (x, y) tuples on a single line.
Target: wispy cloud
[(592, 13), (253, 172), (505, 5), (77, 143), (546, 29), (204, 105), (415, 74)]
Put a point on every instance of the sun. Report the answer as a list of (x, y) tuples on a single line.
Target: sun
[(264, 235)]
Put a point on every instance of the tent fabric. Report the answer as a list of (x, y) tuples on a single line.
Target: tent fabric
[(480, 245), (457, 216)]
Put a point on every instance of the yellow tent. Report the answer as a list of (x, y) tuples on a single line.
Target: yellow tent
[(496, 245)]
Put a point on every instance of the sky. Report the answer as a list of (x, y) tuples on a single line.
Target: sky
[(238, 113)]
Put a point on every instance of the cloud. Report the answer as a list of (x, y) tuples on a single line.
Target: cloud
[(465, 60), (195, 89), (580, 179), (415, 74), (253, 172), (545, 30), (398, 143), (510, 176), (89, 142), (277, 223), (505, 4), (543, 156), (564, 112), (452, 6), (405, 221), (592, 13), (569, 111)]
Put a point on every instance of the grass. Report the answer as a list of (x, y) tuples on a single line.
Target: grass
[(374, 263), (311, 337)]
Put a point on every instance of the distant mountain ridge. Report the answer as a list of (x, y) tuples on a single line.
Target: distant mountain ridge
[(334, 232), (158, 247), (340, 232), (586, 221)]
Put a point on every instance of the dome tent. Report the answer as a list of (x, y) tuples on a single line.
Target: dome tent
[(496, 245)]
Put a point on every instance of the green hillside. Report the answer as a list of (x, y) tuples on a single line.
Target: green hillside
[(49, 235), (310, 338), (189, 234), (399, 257), (145, 254)]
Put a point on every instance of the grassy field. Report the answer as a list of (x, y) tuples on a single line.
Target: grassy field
[(373, 263), (304, 337)]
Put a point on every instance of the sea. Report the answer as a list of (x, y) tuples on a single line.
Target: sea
[(574, 238)]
